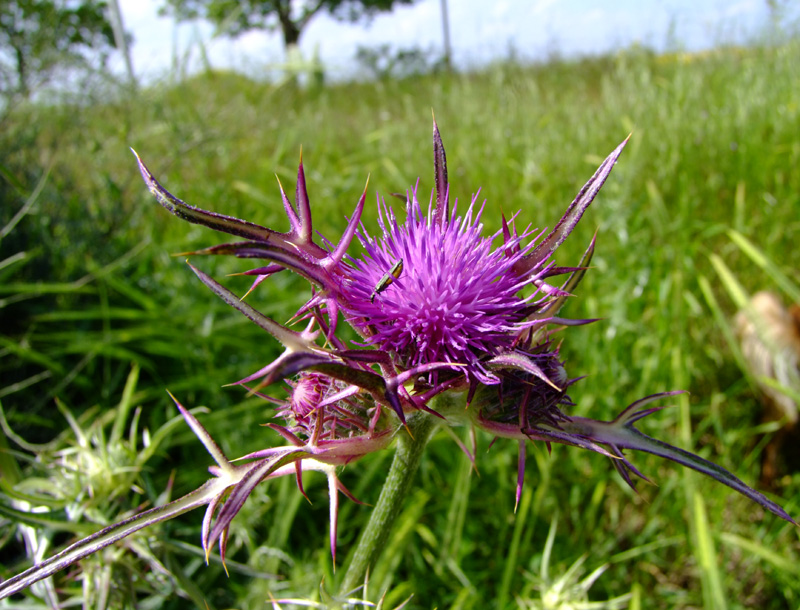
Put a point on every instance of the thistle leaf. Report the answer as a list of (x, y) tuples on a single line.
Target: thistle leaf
[(303, 204), (621, 434), (287, 364), (574, 212), (553, 307), (256, 473), (208, 442), (110, 535), (344, 243), (442, 211), (520, 362), (218, 222), (289, 338), (306, 267)]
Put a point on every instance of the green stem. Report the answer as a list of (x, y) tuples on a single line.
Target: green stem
[(395, 489)]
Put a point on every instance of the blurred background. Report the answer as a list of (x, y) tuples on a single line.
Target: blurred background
[(98, 318), (470, 32)]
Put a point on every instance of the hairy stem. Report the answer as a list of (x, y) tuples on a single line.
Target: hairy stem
[(390, 503)]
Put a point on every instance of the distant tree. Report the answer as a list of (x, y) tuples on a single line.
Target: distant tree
[(385, 62), (234, 17), (39, 36)]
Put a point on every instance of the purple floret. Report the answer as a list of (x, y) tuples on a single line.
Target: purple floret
[(458, 299)]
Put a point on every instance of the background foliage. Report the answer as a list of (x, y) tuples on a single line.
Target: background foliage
[(288, 16), (41, 37), (88, 286)]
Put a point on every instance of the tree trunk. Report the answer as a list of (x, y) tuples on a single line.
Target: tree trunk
[(120, 40), (291, 37), (22, 73), (291, 32), (289, 27)]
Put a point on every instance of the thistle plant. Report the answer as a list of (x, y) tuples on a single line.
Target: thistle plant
[(87, 477), (565, 591), (453, 328)]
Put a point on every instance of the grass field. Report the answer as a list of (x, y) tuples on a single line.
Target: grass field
[(89, 289)]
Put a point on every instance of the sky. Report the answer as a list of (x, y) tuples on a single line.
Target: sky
[(480, 31)]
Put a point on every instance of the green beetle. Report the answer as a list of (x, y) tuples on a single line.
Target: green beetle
[(387, 280)]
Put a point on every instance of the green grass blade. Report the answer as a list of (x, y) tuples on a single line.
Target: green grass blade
[(759, 550), (511, 565), (124, 407), (724, 325), (713, 592), (791, 288)]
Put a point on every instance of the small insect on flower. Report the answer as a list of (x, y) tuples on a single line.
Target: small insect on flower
[(387, 280)]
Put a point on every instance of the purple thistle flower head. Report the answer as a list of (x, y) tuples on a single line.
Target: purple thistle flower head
[(321, 408), (458, 298), (308, 392)]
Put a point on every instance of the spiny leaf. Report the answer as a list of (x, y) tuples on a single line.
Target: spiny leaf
[(109, 535), (218, 222), (574, 212)]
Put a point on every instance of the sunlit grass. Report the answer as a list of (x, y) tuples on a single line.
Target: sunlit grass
[(714, 147)]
